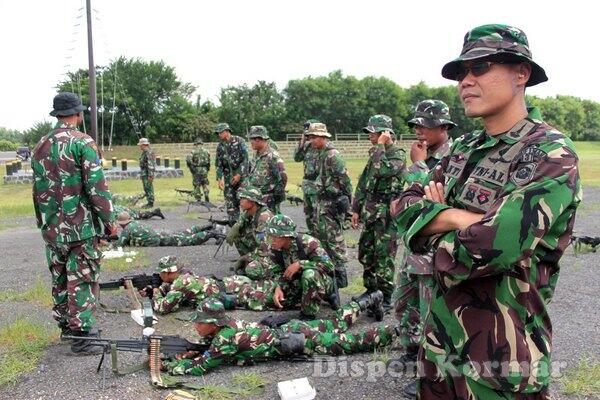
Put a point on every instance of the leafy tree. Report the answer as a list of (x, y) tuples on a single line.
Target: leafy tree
[(11, 135), (35, 133)]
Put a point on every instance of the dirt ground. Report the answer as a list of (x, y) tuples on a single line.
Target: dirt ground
[(574, 311)]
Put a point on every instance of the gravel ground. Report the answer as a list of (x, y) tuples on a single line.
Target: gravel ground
[(574, 310)]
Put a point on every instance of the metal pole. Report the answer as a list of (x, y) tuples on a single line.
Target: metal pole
[(92, 75)]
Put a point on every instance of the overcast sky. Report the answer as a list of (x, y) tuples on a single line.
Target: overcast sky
[(213, 44)]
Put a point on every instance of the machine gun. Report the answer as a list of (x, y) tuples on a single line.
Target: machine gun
[(154, 345), (584, 243), (216, 221), (193, 202)]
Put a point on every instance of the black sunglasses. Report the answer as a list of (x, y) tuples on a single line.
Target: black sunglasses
[(478, 69)]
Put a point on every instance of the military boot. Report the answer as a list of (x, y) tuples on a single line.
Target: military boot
[(341, 278), (305, 317), (387, 303), (407, 362), (410, 390), (372, 301), (158, 213), (334, 297), (84, 346), (145, 214), (206, 198)]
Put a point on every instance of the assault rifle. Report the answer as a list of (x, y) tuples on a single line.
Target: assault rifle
[(297, 200), (592, 242), (154, 345), (140, 282)]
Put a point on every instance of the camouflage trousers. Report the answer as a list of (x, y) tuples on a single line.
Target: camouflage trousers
[(251, 295), (330, 233), (309, 212), (148, 189), (183, 239), (377, 248), (232, 201), (74, 269), (191, 294), (200, 183), (340, 322), (434, 384)]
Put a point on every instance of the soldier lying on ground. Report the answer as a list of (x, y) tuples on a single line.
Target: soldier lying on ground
[(135, 214), (239, 342), (136, 234)]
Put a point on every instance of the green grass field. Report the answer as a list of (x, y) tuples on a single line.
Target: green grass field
[(15, 200)]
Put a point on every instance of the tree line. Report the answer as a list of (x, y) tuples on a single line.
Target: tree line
[(147, 98)]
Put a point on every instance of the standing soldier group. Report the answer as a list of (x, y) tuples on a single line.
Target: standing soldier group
[(485, 221)]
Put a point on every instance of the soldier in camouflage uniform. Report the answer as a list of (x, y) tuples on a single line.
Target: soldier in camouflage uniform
[(72, 207), (137, 234), (381, 181), (230, 162), (199, 164), (266, 171), (299, 264), (413, 279), (334, 190), (239, 342), (306, 153), (136, 214), (147, 168), (249, 232), (497, 214)]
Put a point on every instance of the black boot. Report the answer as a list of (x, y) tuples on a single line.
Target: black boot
[(341, 278), (158, 213), (206, 198), (406, 363), (84, 346), (410, 390), (305, 317), (334, 298)]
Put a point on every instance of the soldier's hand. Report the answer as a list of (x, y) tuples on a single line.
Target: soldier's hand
[(150, 179), (355, 218), (278, 297), (435, 192), (221, 184), (291, 270), (385, 137), (235, 180), (418, 151)]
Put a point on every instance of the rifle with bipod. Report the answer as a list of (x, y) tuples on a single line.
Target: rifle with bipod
[(582, 244), (192, 201)]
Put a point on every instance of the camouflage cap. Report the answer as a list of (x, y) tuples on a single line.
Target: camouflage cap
[(251, 193), (498, 41), (317, 129), (258, 131), (123, 218), (65, 104), (223, 126), (431, 114), (198, 141), (211, 311), (281, 225), (168, 264), (308, 122), (143, 141), (379, 123)]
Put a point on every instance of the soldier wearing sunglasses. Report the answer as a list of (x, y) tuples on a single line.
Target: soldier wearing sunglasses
[(494, 220)]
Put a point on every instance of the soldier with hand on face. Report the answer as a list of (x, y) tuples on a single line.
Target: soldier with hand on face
[(494, 217), (199, 164), (307, 154), (72, 206), (147, 169)]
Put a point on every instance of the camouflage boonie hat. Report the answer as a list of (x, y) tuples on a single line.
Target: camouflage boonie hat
[(308, 122), (211, 311), (258, 131), (222, 127), (281, 225), (65, 104), (123, 218), (431, 114), (379, 123), (168, 264), (502, 42), (253, 194), (143, 141), (198, 141), (317, 129)]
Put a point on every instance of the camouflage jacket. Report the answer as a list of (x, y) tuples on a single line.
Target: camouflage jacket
[(267, 173), (309, 155), (231, 158), (147, 163), (381, 180), (332, 179), (132, 212), (137, 234), (419, 170), (495, 279), (187, 290), (70, 195), (199, 162), (252, 230)]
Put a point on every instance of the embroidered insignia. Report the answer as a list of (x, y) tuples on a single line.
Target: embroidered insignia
[(524, 173), (484, 196)]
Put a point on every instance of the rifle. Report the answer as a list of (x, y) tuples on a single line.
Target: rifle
[(214, 221), (154, 345), (580, 241), (207, 204), (294, 199), (127, 200)]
